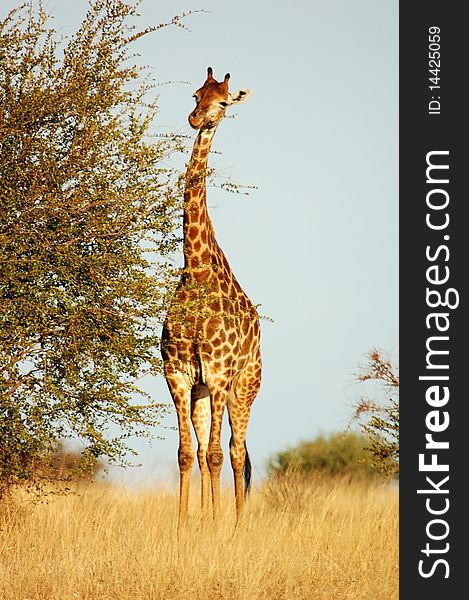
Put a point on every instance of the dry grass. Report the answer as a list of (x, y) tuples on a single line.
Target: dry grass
[(333, 540)]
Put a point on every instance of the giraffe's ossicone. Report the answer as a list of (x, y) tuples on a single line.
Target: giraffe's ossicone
[(211, 336)]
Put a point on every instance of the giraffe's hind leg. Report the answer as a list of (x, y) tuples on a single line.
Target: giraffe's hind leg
[(200, 404), (239, 417), (239, 409)]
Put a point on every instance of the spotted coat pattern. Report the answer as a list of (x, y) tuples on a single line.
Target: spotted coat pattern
[(210, 340)]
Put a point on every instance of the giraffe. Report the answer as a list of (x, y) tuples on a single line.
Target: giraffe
[(211, 335)]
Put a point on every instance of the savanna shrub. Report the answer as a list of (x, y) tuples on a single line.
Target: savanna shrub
[(339, 454)]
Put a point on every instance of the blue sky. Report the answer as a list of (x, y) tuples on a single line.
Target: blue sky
[(316, 244)]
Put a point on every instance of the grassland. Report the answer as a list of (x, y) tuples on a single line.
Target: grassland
[(327, 540)]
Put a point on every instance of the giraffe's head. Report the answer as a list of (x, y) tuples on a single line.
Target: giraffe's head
[(212, 99)]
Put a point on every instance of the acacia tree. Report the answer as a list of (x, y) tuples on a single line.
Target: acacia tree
[(87, 227), (379, 419)]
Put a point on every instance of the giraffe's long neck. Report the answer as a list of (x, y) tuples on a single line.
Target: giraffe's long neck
[(199, 237)]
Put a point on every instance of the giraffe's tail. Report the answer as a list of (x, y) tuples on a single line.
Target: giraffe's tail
[(247, 472)]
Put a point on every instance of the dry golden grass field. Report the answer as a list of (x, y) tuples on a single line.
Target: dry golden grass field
[(328, 540)]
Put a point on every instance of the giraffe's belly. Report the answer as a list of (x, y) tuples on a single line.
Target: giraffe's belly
[(217, 348)]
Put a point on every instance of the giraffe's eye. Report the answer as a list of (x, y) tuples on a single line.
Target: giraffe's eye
[(223, 104)]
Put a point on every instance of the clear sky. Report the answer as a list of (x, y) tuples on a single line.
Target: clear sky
[(317, 243)]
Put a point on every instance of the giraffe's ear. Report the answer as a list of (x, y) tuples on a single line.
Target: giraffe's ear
[(240, 95)]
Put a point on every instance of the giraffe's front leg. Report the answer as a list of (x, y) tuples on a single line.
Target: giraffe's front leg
[(219, 396), (181, 395)]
